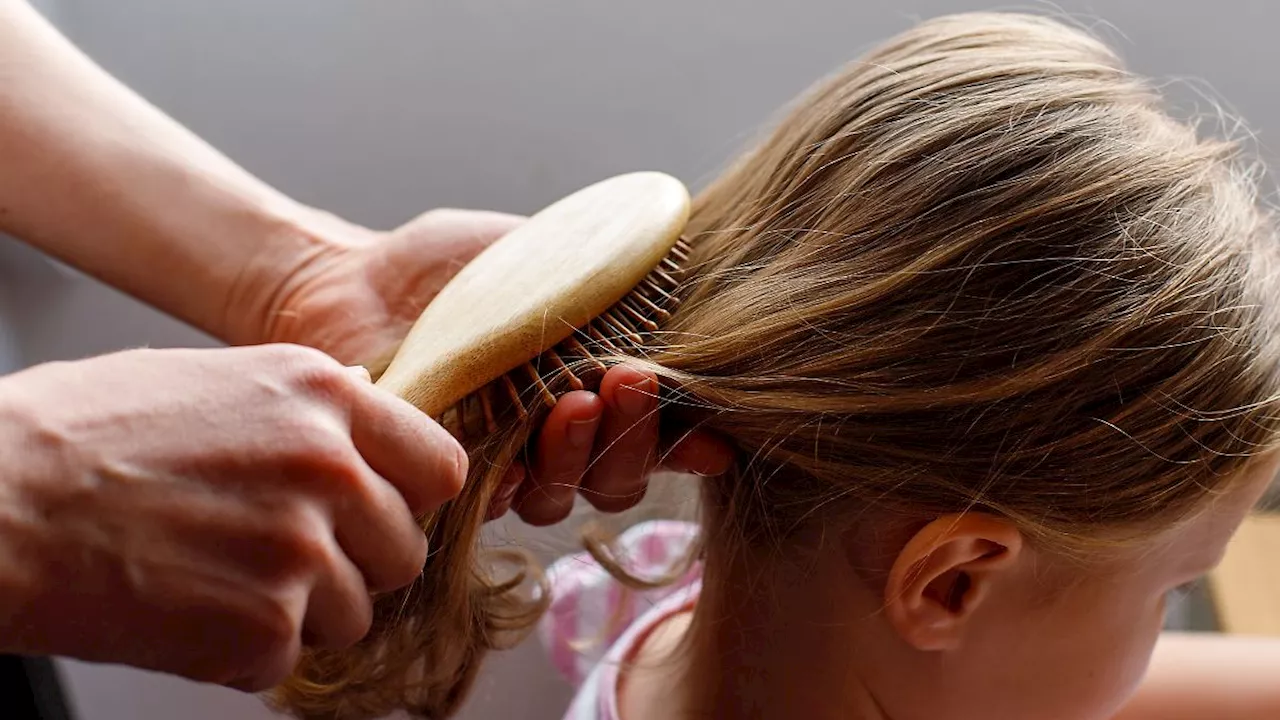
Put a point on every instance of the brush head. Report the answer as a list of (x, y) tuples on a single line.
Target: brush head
[(534, 287)]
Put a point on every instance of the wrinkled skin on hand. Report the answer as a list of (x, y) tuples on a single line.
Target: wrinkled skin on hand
[(234, 503)]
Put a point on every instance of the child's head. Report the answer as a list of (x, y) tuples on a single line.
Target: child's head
[(992, 334), (992, 328)]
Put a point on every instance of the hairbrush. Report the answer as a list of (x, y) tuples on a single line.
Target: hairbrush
[(596, 269)]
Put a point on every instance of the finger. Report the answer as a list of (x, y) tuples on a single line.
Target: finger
[(465, 233), (483, 226), (700, 453), (274, 670), (628, 440), (340, 610), (506, 493), (376, 530), (415, 454), (271, 668), (561, 455)]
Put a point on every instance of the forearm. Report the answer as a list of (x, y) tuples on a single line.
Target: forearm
[(1197, 677), (94, 175)]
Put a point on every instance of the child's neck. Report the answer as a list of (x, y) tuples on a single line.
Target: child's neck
[(785, 652)]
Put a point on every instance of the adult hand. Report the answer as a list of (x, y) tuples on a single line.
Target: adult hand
[(240, 260), (357, 298), (234, 503)]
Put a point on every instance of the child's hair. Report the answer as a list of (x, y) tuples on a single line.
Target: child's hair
[(979, 268)]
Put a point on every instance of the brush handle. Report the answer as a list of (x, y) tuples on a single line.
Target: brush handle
[(532, 288)]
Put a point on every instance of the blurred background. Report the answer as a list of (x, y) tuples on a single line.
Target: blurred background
[(380, 110)]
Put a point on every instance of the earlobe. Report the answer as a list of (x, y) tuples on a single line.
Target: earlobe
[(944, 573)]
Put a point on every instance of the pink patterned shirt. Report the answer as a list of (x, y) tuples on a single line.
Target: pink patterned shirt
[(594, 624)]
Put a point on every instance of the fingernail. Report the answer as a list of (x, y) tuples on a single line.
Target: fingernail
[(636, 399), (583, 432), (361, 372)]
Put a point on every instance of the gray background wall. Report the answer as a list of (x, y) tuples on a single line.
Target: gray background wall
[(379, 110)]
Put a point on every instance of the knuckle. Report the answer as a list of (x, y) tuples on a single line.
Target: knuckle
[(322, 454), (330, 455), (310, 549), (308, 368), (440, 473), (288, 354), (450, 462), (360, 619), (279, 667), (304, 539), (279, 629), (452, 477), (298, 372), (325, 380), (343, 482), (275, 641), (407, 565)]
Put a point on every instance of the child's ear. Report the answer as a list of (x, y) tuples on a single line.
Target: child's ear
[(944, 573)]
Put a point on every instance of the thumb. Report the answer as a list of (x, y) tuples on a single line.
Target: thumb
[(466, 232)]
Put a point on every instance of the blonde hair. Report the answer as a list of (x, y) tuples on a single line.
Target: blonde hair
[(978, 268)]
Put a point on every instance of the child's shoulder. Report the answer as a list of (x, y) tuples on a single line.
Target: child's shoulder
[(590, 610)]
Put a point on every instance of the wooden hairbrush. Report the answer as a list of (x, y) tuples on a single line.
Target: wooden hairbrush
[(598, 268)]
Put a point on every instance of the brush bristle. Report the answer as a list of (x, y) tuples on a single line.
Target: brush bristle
[(535, 386)]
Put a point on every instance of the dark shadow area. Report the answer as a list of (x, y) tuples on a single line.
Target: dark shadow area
[(30, 689)]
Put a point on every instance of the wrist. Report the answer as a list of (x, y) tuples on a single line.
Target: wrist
[(134, 198), (293, 248)]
